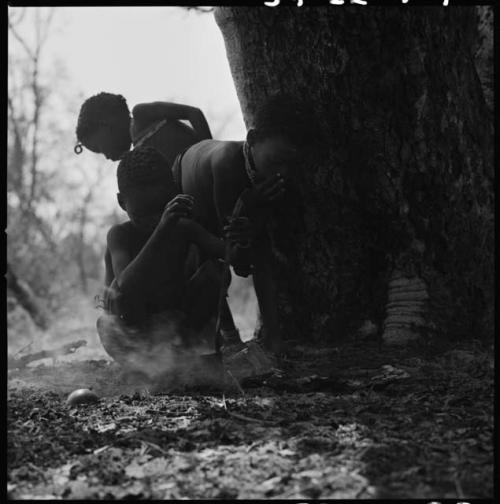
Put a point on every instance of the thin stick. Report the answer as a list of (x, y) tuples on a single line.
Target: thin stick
[(155, 446), (24, 348), (35, 468), (361, 490), (100, 450), (45, 354), (239, 416), (236, 382), (458, 487)]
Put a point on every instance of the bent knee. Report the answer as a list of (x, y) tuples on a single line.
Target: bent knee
[(113, 334), (108, 326)]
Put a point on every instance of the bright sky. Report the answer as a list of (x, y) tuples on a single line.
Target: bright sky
[(149, 54), (145, 54)]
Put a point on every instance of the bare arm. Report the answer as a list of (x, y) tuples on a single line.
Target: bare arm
[(214, 247), (149, 112), (211, 245), (135, 277)]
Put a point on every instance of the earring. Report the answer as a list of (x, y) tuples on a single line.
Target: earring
[(78, 149)]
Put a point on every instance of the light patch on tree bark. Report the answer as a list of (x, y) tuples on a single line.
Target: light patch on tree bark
[(406, 309)]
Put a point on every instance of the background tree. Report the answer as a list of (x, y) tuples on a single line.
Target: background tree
[(55, 242), (396, 223), (26, 102)]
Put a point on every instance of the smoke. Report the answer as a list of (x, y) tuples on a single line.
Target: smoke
[(165, 351), (73, 321), (163, 358), (159, 358)]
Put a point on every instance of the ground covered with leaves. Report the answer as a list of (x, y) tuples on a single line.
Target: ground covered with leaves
[(353, 421)]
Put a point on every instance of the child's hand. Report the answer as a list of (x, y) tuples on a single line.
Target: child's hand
[(265, 191), (180, 206), (239, 231), (271, 188), (240, 259)]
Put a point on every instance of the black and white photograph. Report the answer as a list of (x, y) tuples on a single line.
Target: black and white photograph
[(250, 251)]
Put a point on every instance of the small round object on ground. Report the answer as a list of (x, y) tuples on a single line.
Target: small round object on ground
[(82, 396)]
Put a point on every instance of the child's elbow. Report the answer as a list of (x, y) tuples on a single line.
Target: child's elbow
[(195, 114)]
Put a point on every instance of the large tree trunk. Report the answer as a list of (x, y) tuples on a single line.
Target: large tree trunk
[(397, 204)]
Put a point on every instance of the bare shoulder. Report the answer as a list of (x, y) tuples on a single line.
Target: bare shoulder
[(231, 149), (119, 235), (227, 155)]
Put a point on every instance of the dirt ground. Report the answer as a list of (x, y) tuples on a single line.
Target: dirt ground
[(352, 421)]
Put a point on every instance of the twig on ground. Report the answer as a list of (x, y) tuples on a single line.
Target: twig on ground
[(252, 446), (100, 450), (236, 382), (155, 446), (360, 491), (24, 348), (36, 469), (239, 416), (458, 487), (69, 348)]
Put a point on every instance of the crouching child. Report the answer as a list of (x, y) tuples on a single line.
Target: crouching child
[(160, 306)]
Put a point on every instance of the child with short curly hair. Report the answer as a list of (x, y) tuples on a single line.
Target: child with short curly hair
[(105, 126)]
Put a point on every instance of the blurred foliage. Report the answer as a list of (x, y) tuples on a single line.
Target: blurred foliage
[(58, 209)]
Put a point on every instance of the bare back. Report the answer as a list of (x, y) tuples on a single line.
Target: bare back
[(170, 139), (213, 171)]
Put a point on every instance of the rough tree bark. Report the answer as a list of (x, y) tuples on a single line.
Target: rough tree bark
[(483, 53), (396, 219)]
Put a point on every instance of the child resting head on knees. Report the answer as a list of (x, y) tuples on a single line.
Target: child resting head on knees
[(105, 126), (157, 304)]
